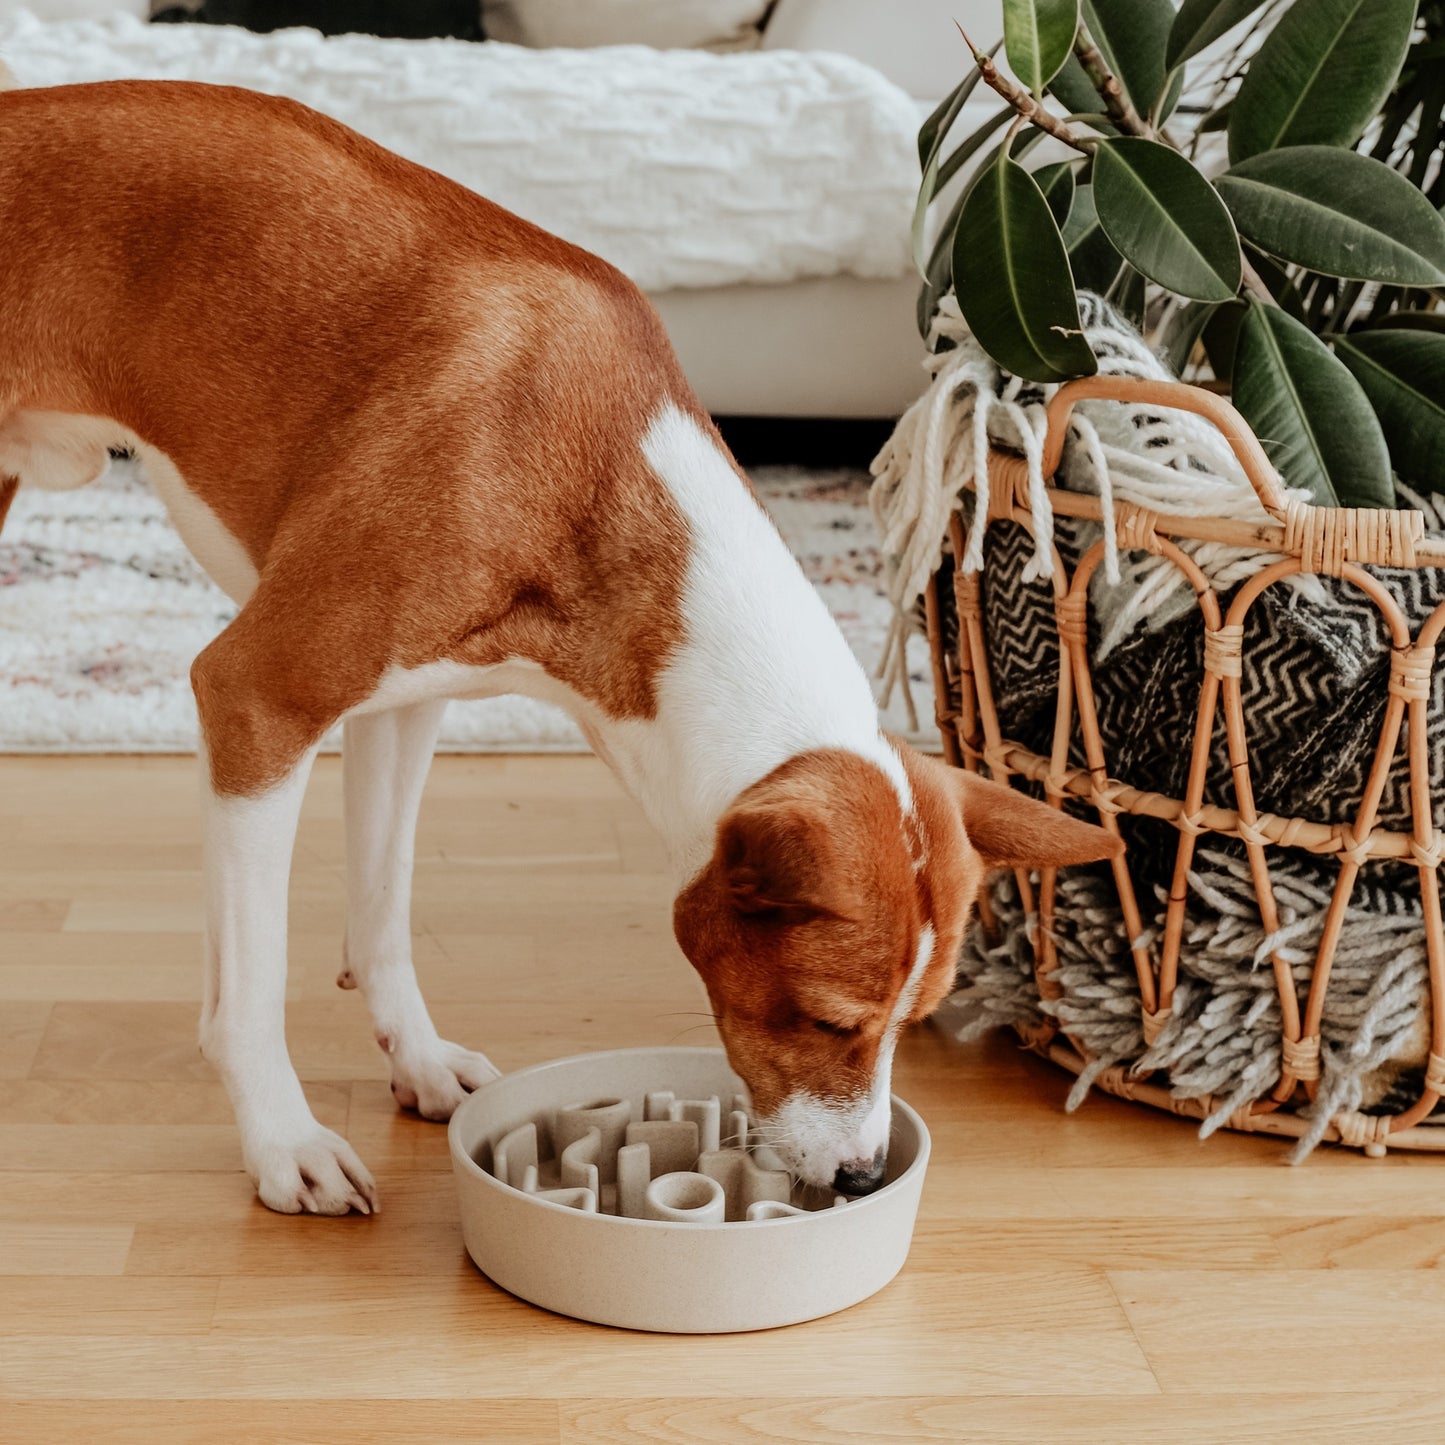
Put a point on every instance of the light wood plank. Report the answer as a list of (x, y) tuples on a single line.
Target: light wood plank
[(43, 1247), (1403, 1418), (1341, 1330), (554, 1359), (1361, 1242), (284, 1422), (129, 1101), (22, 1025), (118, 1306), (998, 1245), (75, 1196), (317, 1304)]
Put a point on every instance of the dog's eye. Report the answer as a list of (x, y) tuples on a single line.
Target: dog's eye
[(826, 1026)]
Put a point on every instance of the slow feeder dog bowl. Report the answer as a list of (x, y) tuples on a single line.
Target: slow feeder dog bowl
[(710, 1240)]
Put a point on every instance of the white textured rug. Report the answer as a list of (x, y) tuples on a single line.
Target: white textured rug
[(102, 611)]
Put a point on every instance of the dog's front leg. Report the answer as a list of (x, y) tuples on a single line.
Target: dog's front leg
[(297, 1165), (386, 757)]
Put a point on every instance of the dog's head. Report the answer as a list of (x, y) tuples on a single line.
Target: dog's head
[(830, 915)]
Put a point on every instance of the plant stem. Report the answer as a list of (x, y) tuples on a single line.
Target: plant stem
[(1027, 107), (1117, 105), (1254, 284)]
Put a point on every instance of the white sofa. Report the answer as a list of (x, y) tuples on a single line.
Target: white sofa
[(827, 345), (840, 346)]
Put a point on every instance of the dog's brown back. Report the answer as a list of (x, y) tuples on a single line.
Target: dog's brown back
[(327, 340)]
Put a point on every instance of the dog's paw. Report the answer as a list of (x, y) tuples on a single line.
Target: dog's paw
[(435, 1082), (317, 1174)]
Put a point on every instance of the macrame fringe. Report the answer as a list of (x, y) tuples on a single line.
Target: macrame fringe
[(1167, 461), (1222, 1037)]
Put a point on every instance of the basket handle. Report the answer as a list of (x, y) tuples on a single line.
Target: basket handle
[(1178, 396)]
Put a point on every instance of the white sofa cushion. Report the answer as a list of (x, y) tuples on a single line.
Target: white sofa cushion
[(915, 43), (665, 24)]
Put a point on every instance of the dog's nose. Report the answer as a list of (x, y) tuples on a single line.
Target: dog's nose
[(861, 1176)]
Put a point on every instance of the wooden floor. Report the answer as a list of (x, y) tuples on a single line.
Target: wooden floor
[(1095, 1278)]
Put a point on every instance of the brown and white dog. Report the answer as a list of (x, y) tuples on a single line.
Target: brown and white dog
[(434, 452)]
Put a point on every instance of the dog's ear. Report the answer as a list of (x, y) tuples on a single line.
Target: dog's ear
[(1011, 830), (776, 859)]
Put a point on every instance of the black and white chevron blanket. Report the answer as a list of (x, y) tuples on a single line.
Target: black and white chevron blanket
[(1313, 687)]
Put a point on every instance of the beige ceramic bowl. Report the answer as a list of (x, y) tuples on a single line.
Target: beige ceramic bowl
[(652, 1275)]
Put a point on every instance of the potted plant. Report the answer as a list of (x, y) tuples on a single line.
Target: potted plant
[(1269, 955), (1287, 217)]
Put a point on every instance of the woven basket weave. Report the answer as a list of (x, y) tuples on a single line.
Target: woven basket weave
[(1332, 541)]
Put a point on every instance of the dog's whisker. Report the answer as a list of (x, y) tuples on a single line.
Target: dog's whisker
[(682, 1033)]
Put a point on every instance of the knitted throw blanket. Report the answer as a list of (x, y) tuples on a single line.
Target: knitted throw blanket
[(680, 167), (1316, 660)]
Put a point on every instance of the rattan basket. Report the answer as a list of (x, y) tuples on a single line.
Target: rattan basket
[(1311, 539)]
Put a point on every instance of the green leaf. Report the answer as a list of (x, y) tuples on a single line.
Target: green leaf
[(1132, 36), (1128, 294), (1403, 374), (1217, 119), (1071, 88), (1200, 23), (1186, 324), (1411, 321), (1056, 183), (1166, 219), (1321, 74), (1221, 338), (1092, 257), (1038, 36), (1311, 414), (938, 274), (1011, 276), (936, 177), (1342, 214), (936, 285)]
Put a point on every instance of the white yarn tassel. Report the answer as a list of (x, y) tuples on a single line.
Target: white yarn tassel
[(1089, 435), (1031, 435), (972, 559), (938, 450)]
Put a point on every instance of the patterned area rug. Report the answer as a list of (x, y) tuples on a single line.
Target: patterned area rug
[(102, 611)]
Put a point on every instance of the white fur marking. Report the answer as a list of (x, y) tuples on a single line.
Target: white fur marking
[(763, 673), (386, 757), (822, 1135), (296, 1164), (874, 1131)]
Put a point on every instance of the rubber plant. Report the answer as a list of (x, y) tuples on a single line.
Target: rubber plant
[(1283, 228)]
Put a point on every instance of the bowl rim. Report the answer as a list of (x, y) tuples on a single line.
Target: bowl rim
[(463, 1161)]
